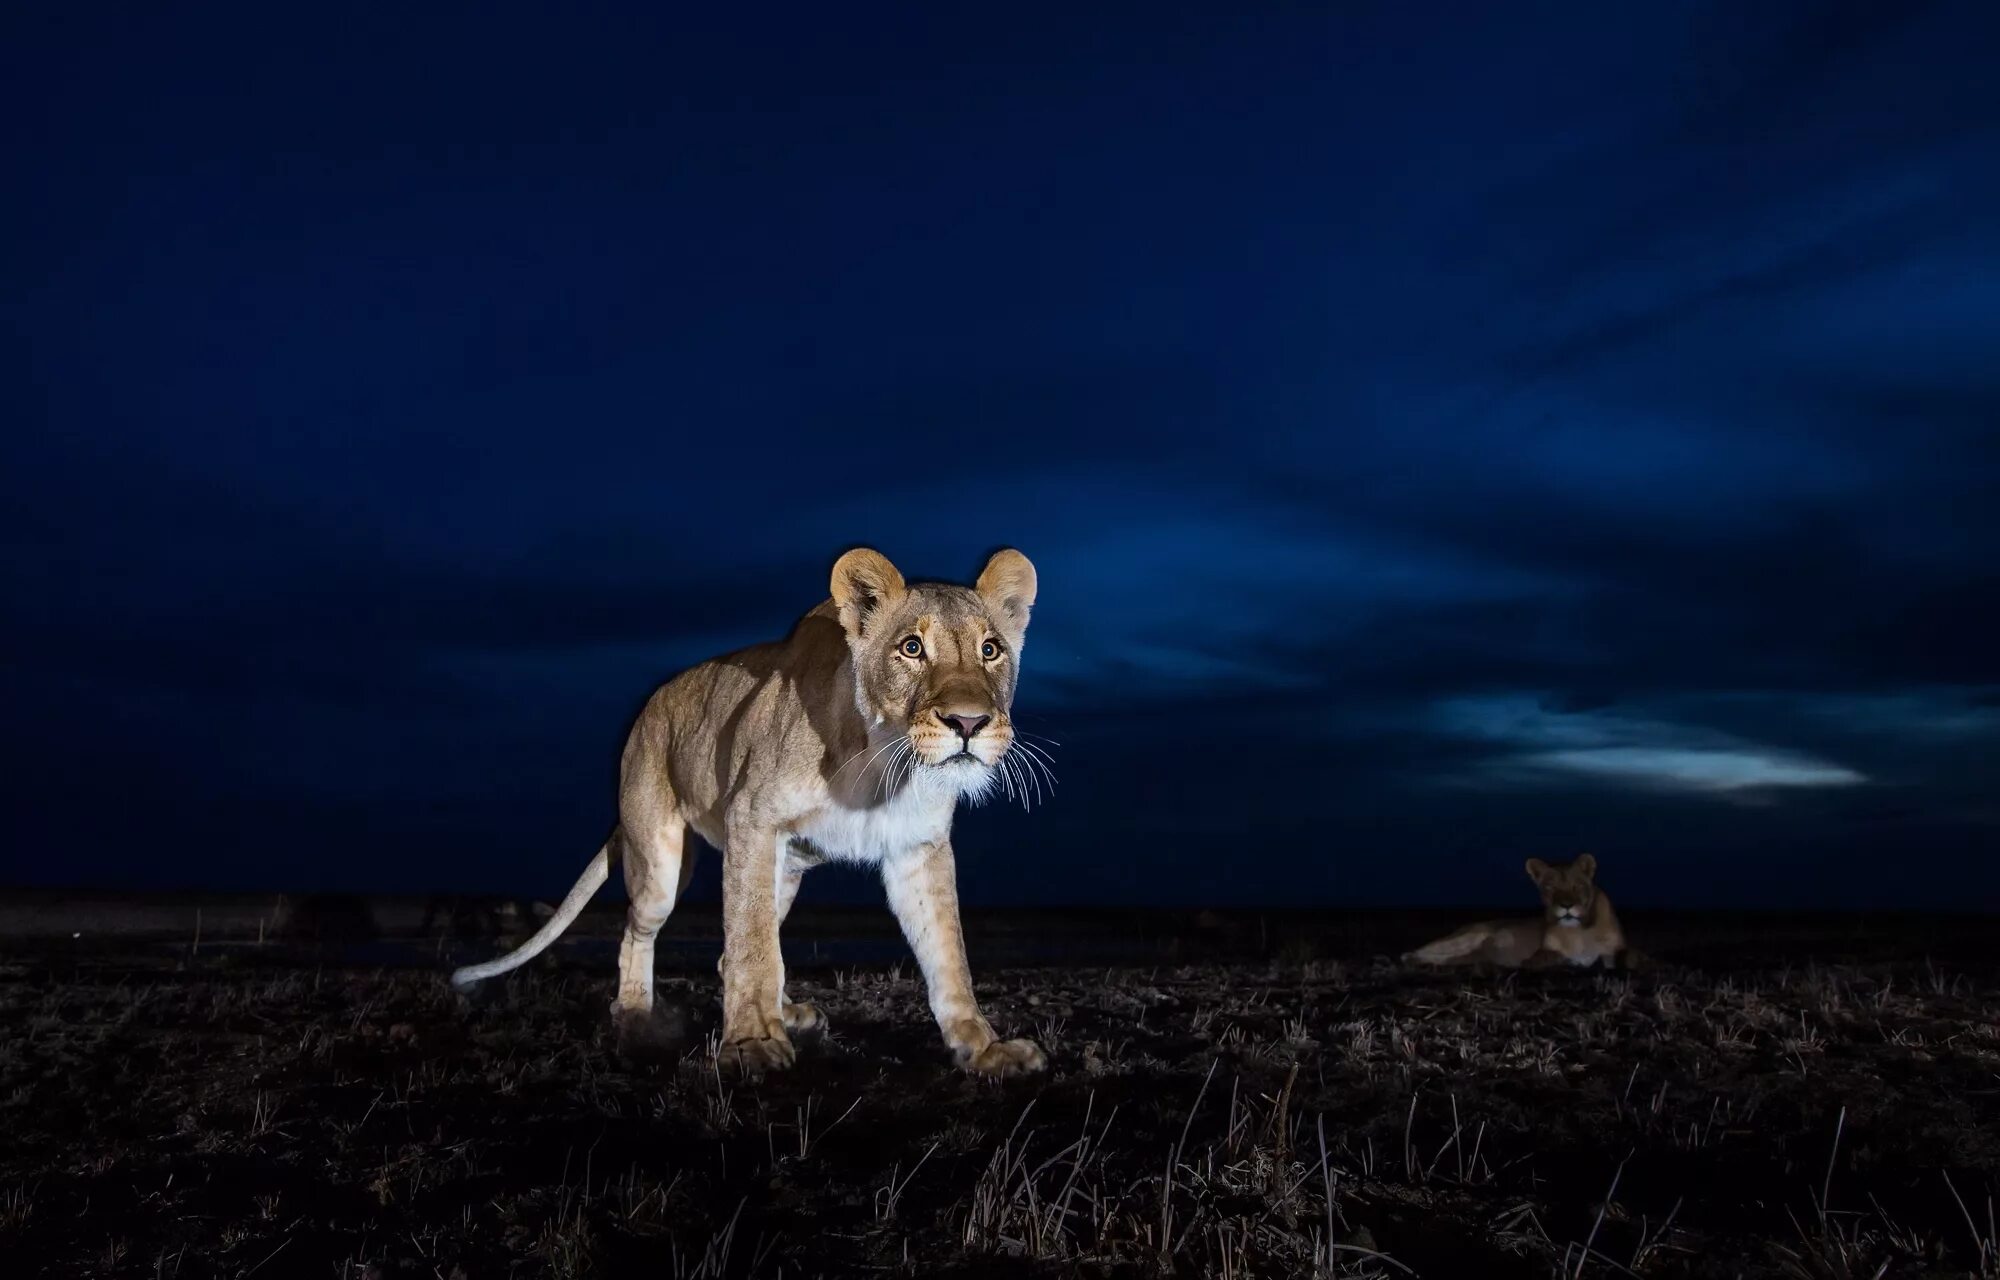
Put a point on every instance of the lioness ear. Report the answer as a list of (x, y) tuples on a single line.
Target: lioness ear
[(863, 581), (1007, 585), (1537, 870), (1586, 863)]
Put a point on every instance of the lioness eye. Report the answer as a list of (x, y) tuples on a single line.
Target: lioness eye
[(912, 647), (989, 651)]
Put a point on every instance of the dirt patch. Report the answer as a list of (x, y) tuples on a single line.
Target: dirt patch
[(242, 1114)]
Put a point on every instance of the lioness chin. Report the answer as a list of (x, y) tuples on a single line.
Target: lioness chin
[(854, 738)]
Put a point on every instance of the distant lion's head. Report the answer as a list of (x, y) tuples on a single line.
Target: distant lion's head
[(1569, 889), (938, 662)]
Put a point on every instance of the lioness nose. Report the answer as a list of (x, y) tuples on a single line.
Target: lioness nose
[(967, 726)]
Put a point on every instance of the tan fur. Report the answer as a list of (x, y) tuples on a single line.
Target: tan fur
[(1578, 927), (832, 743)]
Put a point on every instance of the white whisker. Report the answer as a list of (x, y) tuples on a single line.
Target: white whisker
[(849, 762), (1031, 761), (872, 757), (893, 767), (1020, 784), (1047, 765), (1028, 777), (884, 762), (1041, 791), (1041, 758)]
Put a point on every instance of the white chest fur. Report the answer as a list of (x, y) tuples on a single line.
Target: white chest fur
[(919, 813), (1585, 950)]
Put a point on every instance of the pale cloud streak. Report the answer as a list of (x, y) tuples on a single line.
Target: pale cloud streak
[(1536, 746)]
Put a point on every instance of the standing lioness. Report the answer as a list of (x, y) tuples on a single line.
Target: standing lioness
[(853, 738)]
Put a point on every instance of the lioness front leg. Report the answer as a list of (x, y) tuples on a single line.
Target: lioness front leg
[(799, 1017), (753, 968), (923, 892)]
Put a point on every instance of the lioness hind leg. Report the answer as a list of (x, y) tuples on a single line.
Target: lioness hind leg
[(654, 858)]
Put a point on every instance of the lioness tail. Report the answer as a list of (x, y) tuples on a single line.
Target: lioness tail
[(1453, 946), (587, 885)]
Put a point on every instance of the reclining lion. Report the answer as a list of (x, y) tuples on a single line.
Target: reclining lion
[(1577, 927), (853, 738)]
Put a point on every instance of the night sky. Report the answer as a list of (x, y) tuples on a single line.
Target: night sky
[(1445, 433)]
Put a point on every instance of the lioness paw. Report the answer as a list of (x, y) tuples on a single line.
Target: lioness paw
[(1006, 1058), (804, 1020), (753, 1056)]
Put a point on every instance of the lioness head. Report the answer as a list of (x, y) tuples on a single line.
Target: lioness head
[(935, 661), (1569, 889)]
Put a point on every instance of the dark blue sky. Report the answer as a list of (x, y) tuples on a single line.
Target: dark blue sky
[(1445, 433)]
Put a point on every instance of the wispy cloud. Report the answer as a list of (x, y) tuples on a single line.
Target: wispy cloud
[(1538, 743), (1927, 713), (1683, 768)]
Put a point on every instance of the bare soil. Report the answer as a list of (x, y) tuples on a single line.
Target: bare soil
[(1264, 1106)]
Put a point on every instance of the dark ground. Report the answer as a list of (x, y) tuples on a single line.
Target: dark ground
[(1783, 1097)]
